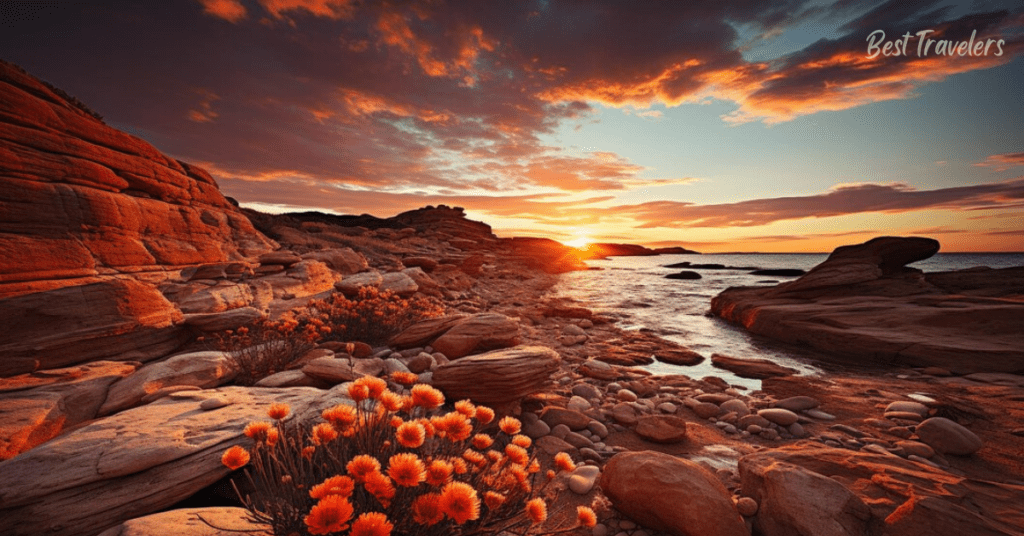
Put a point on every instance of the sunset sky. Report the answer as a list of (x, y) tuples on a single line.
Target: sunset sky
[(715, 125)]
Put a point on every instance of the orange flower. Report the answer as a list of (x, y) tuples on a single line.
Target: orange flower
[(473, 457), (438, 472), (537, 510), (494, 456), (460, 466), (358, 392), (307, 452), (335, 485), (493, 499), (426, 397), (519, 472), (404, 378), (323, 433), (278, 411), (395, 421), (456, 426), (391, 401), (510, 425), (550, 474), (522, 441), (586, 516), (427, 426), (517, 454), (235, 457), (362, 465), (371, 524), (257, 430), (460, 502), (329, 515), (563, 462), (407, 469), (410, 435), (374, 385), (534, 467), (380, 486), (484, 414), (466, 408), (341, 415), (426, 509), (272, 436), (482, 441)]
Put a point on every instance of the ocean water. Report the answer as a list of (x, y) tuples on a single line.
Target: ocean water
[(634, 291)]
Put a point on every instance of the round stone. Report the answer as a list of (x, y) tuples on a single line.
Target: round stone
[(779, 416), (948, 437), (735, 406), (746, 506), (626, 395)]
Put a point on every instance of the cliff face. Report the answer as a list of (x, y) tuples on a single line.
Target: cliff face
[(79, 199)]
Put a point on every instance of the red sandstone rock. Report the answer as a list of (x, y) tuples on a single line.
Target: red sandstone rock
[(499, 377)]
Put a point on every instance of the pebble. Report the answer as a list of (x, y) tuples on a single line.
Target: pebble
[(754, 429), (797, 403), (583, 479), (902, 406), (560, 431), (780, 416), (598, 429), (623, 413), (590, 454), (747, 420), (796, 429), (714, 398), (667, 407), (599, 529), (820, 415), (746, 506), (736, 406), (586, 390), (626, 395), (213, 403), (706, 410), (916, 448), (578, 403), (578, 440)]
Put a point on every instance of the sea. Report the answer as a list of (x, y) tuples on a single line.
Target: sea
[(634, 291)]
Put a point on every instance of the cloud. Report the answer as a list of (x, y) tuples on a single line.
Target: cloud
[(841, 200), (229, 10), (1003, 162)]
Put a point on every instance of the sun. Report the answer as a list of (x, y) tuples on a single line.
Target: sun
[(580, 242)]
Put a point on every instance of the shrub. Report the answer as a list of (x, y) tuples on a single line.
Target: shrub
[(373, 316), (265, 347), (394, 465)]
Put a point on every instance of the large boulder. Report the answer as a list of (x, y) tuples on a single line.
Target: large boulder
[(115, 319), (459, 335), (37, 407), (670, 494), (810, 489), (498, 377), (83, 200), (862, 305), (81, 483)]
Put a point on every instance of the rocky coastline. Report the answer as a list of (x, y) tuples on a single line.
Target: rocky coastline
[(117, 410)]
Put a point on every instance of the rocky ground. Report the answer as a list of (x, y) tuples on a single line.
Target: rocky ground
[(117, 409)]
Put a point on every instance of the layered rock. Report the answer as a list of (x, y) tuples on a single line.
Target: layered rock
[(499, 377), (814, 490), (82, 199), (863, 305), (459, 335)]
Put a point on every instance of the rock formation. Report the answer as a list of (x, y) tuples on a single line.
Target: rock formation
[(863, 305)]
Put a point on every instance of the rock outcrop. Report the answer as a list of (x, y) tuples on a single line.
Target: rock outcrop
[(863, 305), (83, 200), (814, 490), (459, 335)]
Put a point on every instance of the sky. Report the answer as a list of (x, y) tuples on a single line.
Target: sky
[(779, 126)]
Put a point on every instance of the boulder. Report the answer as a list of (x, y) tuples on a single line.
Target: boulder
[(426, 263), (862, 305), (685, 274), (758, 369), (350, 285), (948, 437), (225, 320), (345, 261), (554, 415), (331, 370), (902, 497), (203, 298), (457, 336), (424, 332), (661, 428), (213, 521), (399, 283), (670, 494), (83, 201), (79, 484), (304, 278), (37, 407), (196, 369), (497, 377), (114, 319)]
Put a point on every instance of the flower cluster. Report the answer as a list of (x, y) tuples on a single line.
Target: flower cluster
[(393, 464), (373, 316), (268, 346)]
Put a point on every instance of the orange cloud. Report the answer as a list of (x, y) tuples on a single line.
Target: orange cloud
[(332, 9), (1003, 162), (229, 10)]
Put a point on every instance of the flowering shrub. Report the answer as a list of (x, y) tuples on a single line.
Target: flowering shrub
[(394, 465), (265, 347), (373, 316)]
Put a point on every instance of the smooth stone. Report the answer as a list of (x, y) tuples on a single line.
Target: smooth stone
[(820, 415), (746, 506), (598, 429), (624, 414), (560, 431), (948, 437), (706, 410), (664, 429), (779, 416), (586, 391), (578, 403), (626, 395), (735, 406), (902, 406), (554, 416), (583, 479), (797, 403)]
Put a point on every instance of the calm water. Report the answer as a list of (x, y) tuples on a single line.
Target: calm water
[(635, 292)]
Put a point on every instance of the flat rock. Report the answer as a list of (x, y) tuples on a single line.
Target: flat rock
[(476, 333), (196, 369), (661, 428), (345, 261), (798, 403), (670, 494), (77, 484), (331, 370), (554, 415), (349, 286), (399, 283), (598, 370), (499, 376), (948, 437), (779, 416), (224, 320), (750, 368), (190, 522)]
